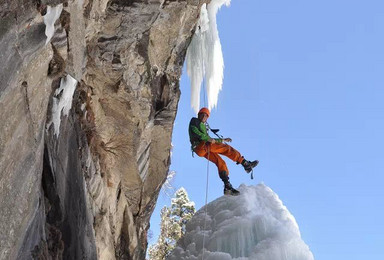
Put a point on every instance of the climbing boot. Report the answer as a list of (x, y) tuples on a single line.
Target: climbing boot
[(224, 177), (248, 165), (229, 190)]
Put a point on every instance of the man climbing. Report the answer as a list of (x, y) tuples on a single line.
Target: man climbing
[(205, 146)]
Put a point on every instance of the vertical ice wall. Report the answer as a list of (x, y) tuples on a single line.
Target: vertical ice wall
[(205, 57), (254, 225)]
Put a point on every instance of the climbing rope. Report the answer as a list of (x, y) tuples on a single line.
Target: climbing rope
[(207, 182), (206, 202), (205, 94)]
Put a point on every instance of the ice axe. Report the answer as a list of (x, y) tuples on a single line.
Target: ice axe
[(215, 132)]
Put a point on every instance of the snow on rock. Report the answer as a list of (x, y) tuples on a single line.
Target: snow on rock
[(204, 56), (62, 101), (253, 225), (53, 13)]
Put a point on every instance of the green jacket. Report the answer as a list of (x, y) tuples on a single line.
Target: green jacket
[(198, 132)]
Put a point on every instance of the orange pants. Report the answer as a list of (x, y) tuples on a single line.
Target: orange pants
[(212, 151)]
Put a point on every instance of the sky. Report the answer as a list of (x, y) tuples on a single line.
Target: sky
[(303, 93)]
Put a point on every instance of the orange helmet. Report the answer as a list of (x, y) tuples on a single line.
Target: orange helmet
[(205, 111)]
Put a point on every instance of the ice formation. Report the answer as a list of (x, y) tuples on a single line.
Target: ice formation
[(62, 101), (254, 225), (53, 13), (204, 56)]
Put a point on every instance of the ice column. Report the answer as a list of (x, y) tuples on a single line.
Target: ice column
[(205, 57)]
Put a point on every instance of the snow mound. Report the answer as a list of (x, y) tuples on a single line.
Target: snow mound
[(253, 225), (205, 57)]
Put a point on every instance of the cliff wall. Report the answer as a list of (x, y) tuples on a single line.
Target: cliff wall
[(88, 190)]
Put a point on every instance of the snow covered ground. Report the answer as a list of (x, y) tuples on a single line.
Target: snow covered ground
[(254, 225)]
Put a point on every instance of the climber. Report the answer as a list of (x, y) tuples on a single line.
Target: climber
[(205, 146)]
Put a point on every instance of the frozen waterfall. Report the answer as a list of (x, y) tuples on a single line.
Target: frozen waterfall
[(204, 56), (255, 225)]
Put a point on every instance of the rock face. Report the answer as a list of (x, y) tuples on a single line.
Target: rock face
[(88, 192)]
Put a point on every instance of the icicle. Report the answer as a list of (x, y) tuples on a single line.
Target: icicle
[(205, 57), (63, 102), (53, 13)]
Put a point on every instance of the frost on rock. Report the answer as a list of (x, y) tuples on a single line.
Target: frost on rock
[(252, 226), (53, 13), (62, 101), (204, 56)]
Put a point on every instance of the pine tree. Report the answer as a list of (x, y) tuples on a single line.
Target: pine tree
[(182, 210), (172, 226)]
